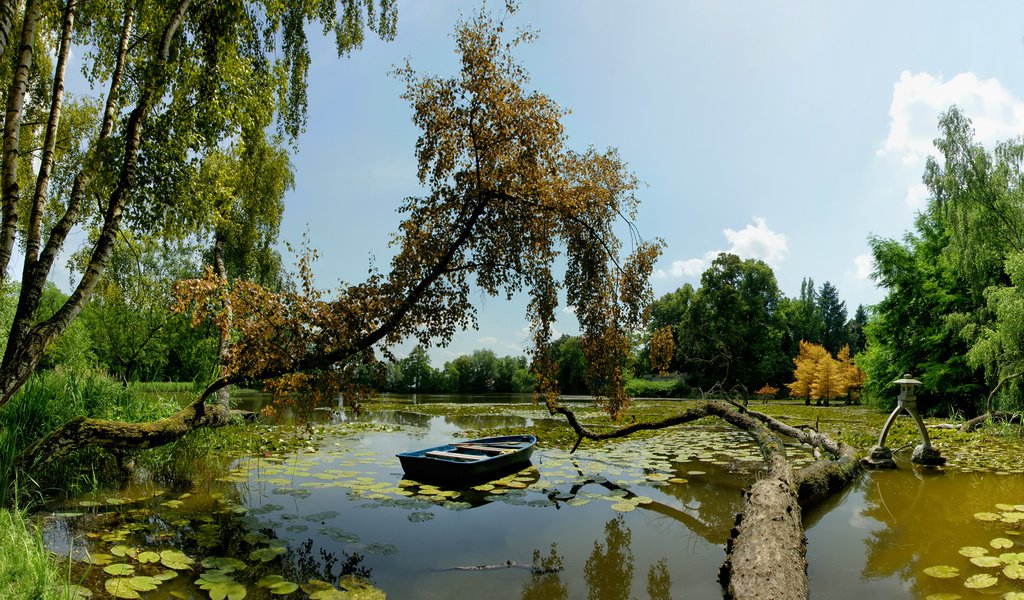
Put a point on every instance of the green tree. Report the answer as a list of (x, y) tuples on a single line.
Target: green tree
[(855, 330), (178, 80), (732, 336), (832, 316), (567, 351)]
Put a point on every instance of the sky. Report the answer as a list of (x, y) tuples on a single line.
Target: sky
[(783, 131)]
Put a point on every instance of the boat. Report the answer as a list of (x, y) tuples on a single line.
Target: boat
[(470, 461)]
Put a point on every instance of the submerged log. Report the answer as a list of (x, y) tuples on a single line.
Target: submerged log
[(998, 416), (766, 551)]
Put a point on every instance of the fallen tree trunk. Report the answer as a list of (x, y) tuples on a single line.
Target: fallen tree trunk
[(998, 416), (119, 436), (766, 551)]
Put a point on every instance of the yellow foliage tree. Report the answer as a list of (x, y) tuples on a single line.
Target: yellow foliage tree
[(821, 377)]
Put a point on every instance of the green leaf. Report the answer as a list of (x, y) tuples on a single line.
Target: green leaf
[(224, 563), (987, 562), (981, 580), (942, 571), (119, 587), (148, 557), (269, 580), (972, 551), (1001, 543), (143, 583), (173, 559), (119, 569), (1014, 571), (283, 588), (227, 591)]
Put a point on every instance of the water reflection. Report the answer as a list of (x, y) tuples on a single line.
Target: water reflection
[(609, 569), (880, 537)]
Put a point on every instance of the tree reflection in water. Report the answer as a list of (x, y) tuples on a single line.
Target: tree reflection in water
[(608, 571)]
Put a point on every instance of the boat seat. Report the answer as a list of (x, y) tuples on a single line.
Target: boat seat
[(494, 449), (456, 455)]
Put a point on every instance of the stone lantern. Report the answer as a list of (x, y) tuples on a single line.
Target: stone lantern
[(881, 456)]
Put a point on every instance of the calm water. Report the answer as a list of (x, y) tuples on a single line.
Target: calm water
[(638, 519)]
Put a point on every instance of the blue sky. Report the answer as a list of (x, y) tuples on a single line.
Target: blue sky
[(785, 131)]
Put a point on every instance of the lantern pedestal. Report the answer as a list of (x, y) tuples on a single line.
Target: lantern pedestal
[(880, 457), (927, 456)]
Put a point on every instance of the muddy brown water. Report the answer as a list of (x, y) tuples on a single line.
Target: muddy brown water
[(636, 519)]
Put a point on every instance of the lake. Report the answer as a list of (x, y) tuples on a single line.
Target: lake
[(636, 518)]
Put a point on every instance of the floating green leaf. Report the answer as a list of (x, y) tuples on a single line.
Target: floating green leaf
[(213, 577), (119, 587), (98, 559), (143, 583), (1014, 571), (174, 559), (148, 557), (283, 588), (78, 592), (166, 575), (972, 551), (224, 563), (942, 571), (269, 580), (987, 516), (227, 591), (122, 551), (119, 569), (266, 554), (981, 580), (1001, 543), (943, 596), (624, 506), (986, 562)]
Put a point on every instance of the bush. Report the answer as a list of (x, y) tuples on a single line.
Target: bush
[(644, 388)]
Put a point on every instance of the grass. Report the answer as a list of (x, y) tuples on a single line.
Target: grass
[(50, 399), (27, 569)]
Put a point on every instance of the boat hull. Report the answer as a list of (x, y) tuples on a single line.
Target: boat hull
[(443, 463)]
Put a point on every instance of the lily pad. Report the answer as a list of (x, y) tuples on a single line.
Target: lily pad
[(986, 562), (624, 506), (972, 551), (269, 581), (119, 587), (981, 580), (1014, 571), (420, 516), (174, 559), (143, 583), (227, 591), (987, 516), (266, 554), (1001, 543), (77, 592), (98, 559), (119, 569), (166, 575), (943, 596), (284, 588), (942, 571), (148, 557), (223, 563)]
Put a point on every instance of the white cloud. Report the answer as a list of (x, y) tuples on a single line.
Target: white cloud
[(753, 241), (917, 100), (917, 196), (864, 264)]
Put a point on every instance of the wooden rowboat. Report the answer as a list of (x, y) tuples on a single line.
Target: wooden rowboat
[(470, 461)]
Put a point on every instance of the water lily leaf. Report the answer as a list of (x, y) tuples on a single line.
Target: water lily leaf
[(174, 559), (1001, 543), (987, 516), (98, 559), (213, 577), (972, 551), (166, 575), (359, 589), (624, 506), (284, 588), (119, 587), (315, 585), (119, 569), (987, 562), (1011, 558), (419, 516), (981, 580), (943, 596), (269, 580), (266, 554), (122, 550), (942, 571), (1014, 571), (224, 563), (143, 583), (1013, 596), (77, 592), (227, 591), (148, 557)]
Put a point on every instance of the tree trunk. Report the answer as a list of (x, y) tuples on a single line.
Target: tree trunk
[(224, 345)]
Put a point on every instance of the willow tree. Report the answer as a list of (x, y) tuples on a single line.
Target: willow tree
[(170, 81)]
